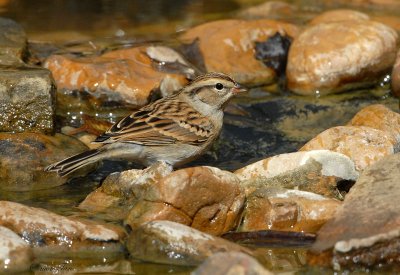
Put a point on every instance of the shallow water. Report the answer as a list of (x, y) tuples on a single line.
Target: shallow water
[(269, 123)]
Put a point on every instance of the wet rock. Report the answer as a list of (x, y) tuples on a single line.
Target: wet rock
[(379, 117), (205, 198), (365, 229), (396, 77), (173, 243), (338, 15), (286, 210), (231, 263), (269, 9), (127, 76), (315, 171), (25, 155), (388, 20), (120, 190), (27, 100), (12, 42), (337, 56), (15, 253), (228, 46), (42, 228), (364, 145)]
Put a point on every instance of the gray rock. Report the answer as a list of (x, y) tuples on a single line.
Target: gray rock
[(15, 253), (366, 228), (231, 263), (173, 243), (27, 100), (12, 42), (23, 157)]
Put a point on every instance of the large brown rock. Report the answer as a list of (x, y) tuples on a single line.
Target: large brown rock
[(364, 145), (337, 56), (338, 15), (173, 243), (23, 157), (125, 76), (316, 171), (228, 46), (15, 253), (205, 198), (379, 117), (365, 229), (396, 77), (286, 210), (12, 42)]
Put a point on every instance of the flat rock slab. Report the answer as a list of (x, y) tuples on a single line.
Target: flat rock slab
[(27, 100), (15, 253), (173, 243), (366, 228)]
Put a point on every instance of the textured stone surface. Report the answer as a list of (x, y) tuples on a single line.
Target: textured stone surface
[(24, 156), (125, 76), (41, 227), (315, 171), (12, 42), (338, 15), (120, 190), (379, 117), (173, 243), (205, 198), (286, 210), (27, 100), (228, 46), (396, 77), (366, 228), (231, 263), (364, 145), (336, 56), (15, 253)]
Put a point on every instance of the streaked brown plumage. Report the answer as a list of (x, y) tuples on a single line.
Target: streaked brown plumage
[(175, 129)]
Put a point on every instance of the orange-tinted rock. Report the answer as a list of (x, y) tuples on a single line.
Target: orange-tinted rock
[(228, 46), (364, 145), (125, 75), (379, 117), (338, 15), (315, 171), (396, 77), (388, 20), (337, 56), (269, 9), (205, 198), (365, 229), (173, 243), (286, 210)]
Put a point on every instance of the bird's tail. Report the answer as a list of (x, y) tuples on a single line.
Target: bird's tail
[(74, 163)]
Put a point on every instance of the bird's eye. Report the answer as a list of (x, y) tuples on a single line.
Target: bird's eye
[(219, 86)]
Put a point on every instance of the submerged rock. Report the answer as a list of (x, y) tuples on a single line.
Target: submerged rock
[(15, 253), (42, 228), (364, 145), (286, 210), (173, 243), (396, 77), (120, 191), (125, 76), (379, 117), (27, 100), (316, 171), (205, 198), (228, 46), (269, 9), (12, 42), (338, 56), (338, 15), (231, 263), (365, 229), (25, 155)]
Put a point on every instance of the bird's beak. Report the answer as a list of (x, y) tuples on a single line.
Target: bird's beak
[(238, 89)]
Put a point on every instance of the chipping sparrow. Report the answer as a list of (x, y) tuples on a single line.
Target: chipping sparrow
[(175, 129)]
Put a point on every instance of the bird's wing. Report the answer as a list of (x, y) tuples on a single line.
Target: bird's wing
[(161, 123)]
